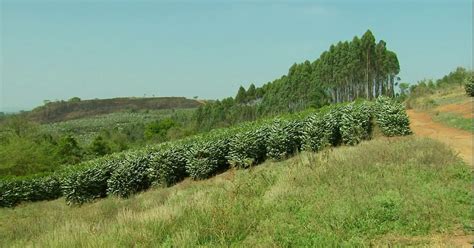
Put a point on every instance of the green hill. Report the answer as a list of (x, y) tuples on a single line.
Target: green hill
[(76, 108)]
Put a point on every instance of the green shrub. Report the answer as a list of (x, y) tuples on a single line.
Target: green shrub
[(168, 164), (34, 188), (284, 138), (208, 156), (356, 124), (86, 184), (391, 117), (131, 176), (248, 148), (469, 87), (317, 132)]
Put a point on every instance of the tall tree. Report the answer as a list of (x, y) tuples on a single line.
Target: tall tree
[(241, 96)]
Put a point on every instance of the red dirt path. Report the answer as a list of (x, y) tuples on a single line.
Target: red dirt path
[(461, 141)]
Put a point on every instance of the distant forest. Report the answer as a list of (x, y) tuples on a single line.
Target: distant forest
[(361, 68)]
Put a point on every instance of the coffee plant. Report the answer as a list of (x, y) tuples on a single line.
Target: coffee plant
[(86, 184), (355, 123), (284, 138), (248, 147), (205, 155), (36, 188), (208, 156), (168, 163), (131, 176), (469, 87), (317, 132), (391, 117)]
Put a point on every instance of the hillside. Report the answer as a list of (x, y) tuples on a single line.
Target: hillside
[(389, 191), (76, 108)]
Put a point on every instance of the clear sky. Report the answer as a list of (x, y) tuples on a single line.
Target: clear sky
[(110, 48)]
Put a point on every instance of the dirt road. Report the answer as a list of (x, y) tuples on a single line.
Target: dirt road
[(461, 141)]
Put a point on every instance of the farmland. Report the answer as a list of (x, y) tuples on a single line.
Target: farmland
[(203, 156), (278, 124), (409, 191), (86, 129)]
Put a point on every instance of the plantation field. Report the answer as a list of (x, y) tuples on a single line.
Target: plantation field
[(387, 191), (86, 129)]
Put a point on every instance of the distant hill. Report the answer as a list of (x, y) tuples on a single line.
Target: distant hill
[(76, 108)]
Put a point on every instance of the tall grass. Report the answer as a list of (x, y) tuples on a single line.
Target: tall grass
[(377, 193)]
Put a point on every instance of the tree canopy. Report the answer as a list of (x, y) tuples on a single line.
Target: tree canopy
[(361, 68)]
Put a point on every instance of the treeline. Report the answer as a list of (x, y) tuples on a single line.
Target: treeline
[(460, 77), (361, 68)]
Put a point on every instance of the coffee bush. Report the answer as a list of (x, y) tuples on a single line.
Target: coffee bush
[(248, 147), (208, 156), (391, 117), (168, 163), (131, 176), (86, 184), (284, 138)]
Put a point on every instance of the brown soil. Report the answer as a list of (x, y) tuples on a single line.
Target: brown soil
[(465, 109), (461, 141)]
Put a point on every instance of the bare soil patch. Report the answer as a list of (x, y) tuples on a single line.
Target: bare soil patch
[(461, 141)]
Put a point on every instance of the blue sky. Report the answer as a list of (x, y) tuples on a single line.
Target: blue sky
[(110, 48)]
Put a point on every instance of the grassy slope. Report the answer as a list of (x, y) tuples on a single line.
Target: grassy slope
[(379, 192), (432, 102)]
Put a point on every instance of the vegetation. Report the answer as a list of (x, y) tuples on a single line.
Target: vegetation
[(454, 120), (360, 68), (470, 87), (418, 95), (406, 192), (27, 147), (205, 155), (75, 108), (334, 77)]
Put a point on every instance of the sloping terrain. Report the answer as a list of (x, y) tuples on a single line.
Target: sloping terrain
[(465, 108), (404, 191), (69, 110), (461, 141)]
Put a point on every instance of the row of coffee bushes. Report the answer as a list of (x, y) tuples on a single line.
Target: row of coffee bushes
[(205, 155)]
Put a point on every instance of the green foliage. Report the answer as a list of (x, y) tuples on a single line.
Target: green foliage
[(469, 87), (284, 138), (131, 176), (241, 96), (99, 147), (82, 185), (36, 188), (203, 156), (248, 147), (318, 131), (454, 120), (356, 123), (168, 163), (391, 117), (348, 70), (159, 129), (208, 155), (23, 155), (69, 150), (404, 192)]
